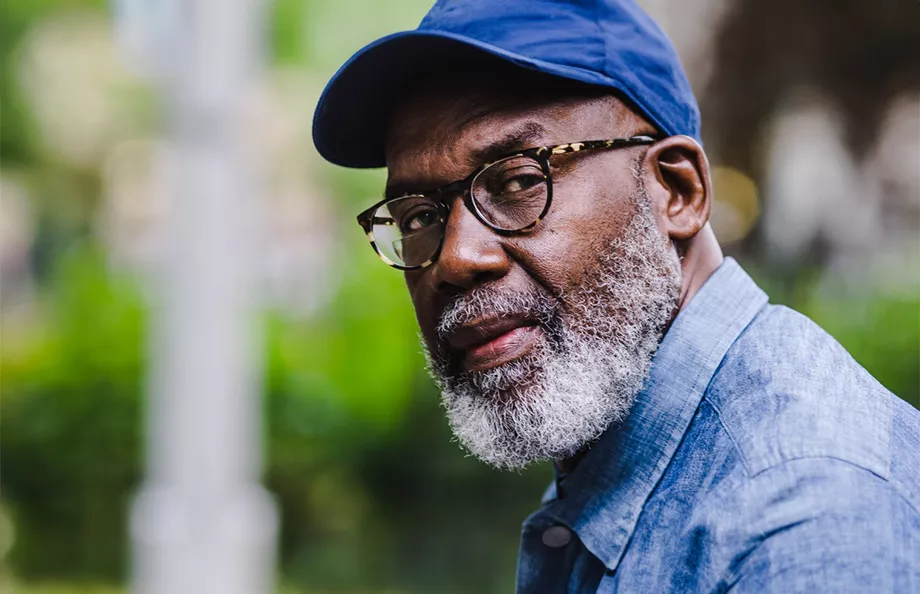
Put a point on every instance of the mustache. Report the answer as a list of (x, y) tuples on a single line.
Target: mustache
[(490, 300)]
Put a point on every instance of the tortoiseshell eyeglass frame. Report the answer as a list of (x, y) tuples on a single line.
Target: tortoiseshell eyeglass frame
[(464, 186)]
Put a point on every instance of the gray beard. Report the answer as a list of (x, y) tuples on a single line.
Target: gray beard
[(591, 360)]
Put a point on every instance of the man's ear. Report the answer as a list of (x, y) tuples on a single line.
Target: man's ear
[(680, 186)]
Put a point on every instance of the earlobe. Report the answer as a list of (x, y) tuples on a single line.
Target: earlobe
[(683, 191)]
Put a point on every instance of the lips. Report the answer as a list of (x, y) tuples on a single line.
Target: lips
[(488, 343)]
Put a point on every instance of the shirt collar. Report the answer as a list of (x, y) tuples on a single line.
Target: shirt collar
[(605, 493)]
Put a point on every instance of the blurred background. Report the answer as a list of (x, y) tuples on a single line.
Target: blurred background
[(811, 117)]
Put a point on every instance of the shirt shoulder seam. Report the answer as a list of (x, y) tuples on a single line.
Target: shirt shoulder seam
[(895, 486), (731, 437), (761, 311)]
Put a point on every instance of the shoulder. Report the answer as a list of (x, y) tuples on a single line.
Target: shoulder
[(815, 525), (822, 488), (787, 391)]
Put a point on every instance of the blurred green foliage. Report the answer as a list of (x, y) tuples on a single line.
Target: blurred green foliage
[(55, 588), (374, 495), (71, 423), (372, 491)]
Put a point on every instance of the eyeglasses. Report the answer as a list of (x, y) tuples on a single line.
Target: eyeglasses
[(509, 195)]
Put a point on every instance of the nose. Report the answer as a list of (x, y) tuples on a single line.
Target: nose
[(471, 253)]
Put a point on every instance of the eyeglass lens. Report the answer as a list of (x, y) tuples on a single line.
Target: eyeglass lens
[(407, 231), (510, 194)]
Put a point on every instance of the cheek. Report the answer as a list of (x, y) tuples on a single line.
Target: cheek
[(423, 301), (579, 229)]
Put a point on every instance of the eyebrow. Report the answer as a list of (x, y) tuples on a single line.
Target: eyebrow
[(520, 138)]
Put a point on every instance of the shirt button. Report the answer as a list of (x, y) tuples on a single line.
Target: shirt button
[(557, 536)]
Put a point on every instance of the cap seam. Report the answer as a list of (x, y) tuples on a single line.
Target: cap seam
[(668, 114), (628, 88)]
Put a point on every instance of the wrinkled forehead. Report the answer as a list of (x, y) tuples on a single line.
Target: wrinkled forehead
[(462, 120)]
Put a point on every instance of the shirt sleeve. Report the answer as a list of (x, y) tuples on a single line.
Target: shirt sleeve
[(820, 525)]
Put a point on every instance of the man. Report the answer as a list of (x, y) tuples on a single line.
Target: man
[(548, 201)]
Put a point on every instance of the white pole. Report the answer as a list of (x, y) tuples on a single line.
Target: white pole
[(201, 523)]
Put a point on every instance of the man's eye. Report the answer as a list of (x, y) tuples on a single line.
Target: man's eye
[(419, 220), (519, 183)]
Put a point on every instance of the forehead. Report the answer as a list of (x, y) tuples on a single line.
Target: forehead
[(443, 129)]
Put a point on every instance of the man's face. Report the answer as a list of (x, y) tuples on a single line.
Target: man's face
[(538, 340)]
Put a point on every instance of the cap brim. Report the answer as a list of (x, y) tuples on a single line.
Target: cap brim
[(353, 112)]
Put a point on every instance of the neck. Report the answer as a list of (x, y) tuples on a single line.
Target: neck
[(701, 257)]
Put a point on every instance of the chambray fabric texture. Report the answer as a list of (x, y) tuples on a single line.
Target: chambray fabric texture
[(759, 457)]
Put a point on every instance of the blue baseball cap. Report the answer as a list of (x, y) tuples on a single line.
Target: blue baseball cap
[(608, 43)]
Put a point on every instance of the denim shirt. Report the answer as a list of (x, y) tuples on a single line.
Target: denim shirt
[(759, 457)]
